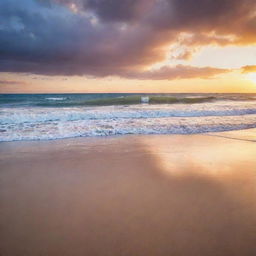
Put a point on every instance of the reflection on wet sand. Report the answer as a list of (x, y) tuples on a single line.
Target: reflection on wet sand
[(144, 195)]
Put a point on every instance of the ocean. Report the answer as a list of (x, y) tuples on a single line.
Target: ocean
[(56, 116)]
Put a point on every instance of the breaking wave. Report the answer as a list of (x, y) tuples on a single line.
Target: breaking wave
[(44, 123)]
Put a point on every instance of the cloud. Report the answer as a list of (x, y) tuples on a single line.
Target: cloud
[(115, 10), (11, 82), (112, 10), (112, 37), (177, 72), (248, 69)]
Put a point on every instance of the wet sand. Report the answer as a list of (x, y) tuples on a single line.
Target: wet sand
[(134, 195)]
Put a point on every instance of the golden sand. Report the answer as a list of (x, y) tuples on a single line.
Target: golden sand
[(129, 196)]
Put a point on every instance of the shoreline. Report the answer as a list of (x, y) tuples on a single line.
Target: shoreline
[(225, 134), (141, 195)]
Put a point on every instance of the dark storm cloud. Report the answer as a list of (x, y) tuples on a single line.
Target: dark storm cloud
[(112, 10), (114, 37)]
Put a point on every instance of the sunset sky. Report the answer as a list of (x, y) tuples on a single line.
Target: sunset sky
[(127, 46)]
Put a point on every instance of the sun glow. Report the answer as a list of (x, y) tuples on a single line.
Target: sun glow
[(251, 77)]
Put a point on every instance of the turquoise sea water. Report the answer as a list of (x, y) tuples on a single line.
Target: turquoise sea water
[(53, 116)]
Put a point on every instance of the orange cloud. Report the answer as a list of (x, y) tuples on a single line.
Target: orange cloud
[(177, 72), (249, 69)]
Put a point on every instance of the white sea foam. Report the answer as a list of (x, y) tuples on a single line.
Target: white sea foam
[(36, 123), (56, 98)]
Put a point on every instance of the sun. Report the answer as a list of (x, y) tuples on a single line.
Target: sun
[(251, 77)]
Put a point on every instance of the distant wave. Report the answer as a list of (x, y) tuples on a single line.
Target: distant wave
[(125, 100), (80, 100)]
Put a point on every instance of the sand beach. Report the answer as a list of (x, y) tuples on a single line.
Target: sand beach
[(130, 195)]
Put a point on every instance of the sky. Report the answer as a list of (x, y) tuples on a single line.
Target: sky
[(57, 46)]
